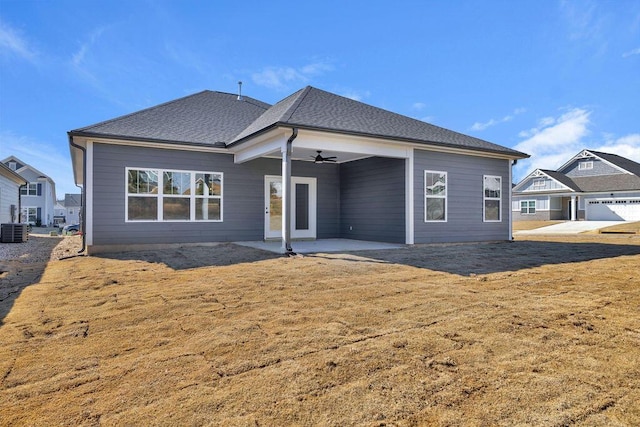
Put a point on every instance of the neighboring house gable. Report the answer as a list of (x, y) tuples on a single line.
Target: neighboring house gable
[(218, 167), (591, 185), (37, 196)]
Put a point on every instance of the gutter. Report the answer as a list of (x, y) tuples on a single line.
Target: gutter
[(83, 192)]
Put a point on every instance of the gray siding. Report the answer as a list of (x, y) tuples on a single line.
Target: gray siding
[(549, 184), (243, 196), (372, 200), (8, 196), (465, 198), (599, 168)]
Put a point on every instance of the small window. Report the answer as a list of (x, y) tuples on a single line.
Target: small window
[(435, 194), (12, 165), (527, 207), (492, 198), (585, 165), (539, 183)]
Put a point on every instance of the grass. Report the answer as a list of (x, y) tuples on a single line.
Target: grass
[(625, 228), (535, 332)]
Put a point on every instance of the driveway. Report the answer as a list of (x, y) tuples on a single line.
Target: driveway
[(569, 227)]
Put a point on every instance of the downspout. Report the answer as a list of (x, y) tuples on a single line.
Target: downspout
[(20, 203), (286, 180), (82, 192)]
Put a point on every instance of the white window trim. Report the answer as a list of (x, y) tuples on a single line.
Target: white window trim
[(160, 196), (539, 183), (445, 197), (484, 199), (583, 166), (28, 187), (535, 208)]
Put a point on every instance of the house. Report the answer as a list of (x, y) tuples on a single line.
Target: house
[(59, 217), (72, 208), (37, 197), (592, 185), (10, 183), (215, 166)]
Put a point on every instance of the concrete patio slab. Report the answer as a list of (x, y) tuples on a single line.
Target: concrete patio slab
[(322, 245), (569, 227)]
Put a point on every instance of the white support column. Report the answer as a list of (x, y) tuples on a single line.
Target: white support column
[(574, 207), (286, 193)]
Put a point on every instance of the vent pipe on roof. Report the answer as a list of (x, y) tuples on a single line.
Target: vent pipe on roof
[(239, 91)]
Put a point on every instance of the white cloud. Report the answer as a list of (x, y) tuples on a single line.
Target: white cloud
[(632, 52), (477, 126), (281, 78), (356, 95), (11, 42), (47, 158), (419, 105), (555, 140)]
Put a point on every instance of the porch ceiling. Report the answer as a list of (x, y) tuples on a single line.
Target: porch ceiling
[(309, 154)]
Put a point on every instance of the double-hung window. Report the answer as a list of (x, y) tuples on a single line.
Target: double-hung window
[(435, 196), (31, 189), (527, 207), (492, 198), (171, 195)]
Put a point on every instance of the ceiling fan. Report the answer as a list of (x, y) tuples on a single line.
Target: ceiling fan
[(320, 159)]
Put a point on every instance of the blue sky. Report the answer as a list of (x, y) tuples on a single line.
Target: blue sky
[(542, 76)]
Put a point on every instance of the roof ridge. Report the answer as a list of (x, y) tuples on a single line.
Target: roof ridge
[(293, 107)]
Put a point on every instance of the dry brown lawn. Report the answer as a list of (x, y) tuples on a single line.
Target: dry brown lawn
[(541, 332)]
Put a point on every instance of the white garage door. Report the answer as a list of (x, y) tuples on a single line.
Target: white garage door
[(613, 210)]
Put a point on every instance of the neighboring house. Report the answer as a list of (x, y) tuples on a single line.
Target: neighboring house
[(72, 206), (59, 214), (10, 183), (37, 197), (592, 185), (214, 167)]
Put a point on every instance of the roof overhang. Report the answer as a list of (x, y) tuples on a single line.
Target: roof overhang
[(346, 146)]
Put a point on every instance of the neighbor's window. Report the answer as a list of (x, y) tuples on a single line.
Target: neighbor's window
[(30, 215), (585, 165), (435, 196), (492, 199), (31, 189), (538, 183), (527, 207), (166, 195)]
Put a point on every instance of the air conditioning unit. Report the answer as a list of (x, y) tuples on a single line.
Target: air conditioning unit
[(14, 233)]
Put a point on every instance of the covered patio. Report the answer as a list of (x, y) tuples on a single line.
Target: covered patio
[(321, 245)]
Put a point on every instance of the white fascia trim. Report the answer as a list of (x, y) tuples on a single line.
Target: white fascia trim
[(146, 144), (88, 219), (539, 173), (585, 154), (409, 200), (273, 146)]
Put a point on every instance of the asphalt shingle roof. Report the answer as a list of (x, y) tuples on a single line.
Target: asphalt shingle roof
[(313, 108), (622, 162), (214, 117), (562, 178), (206, 117)]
